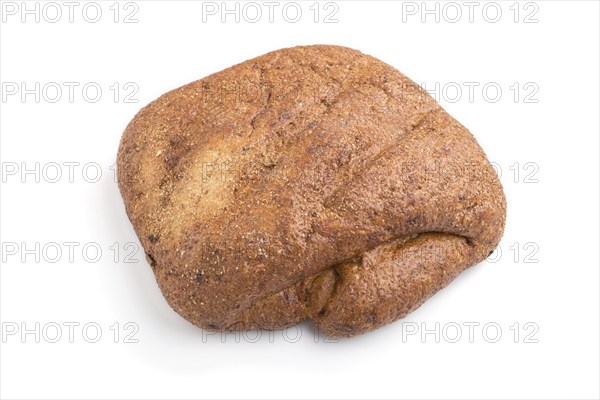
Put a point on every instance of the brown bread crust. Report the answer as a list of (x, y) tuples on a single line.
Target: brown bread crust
[(313, 181)]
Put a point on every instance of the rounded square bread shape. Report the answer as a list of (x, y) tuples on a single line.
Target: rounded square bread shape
[(313, 181)]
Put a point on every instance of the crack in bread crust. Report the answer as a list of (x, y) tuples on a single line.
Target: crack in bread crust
[(249, 200), (321, 294)]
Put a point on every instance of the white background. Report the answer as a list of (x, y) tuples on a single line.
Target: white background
[(545, 280)]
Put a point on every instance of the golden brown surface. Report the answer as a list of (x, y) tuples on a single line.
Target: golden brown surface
[(312, 182)]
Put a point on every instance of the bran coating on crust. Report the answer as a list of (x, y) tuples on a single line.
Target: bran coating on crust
[(310, 182)]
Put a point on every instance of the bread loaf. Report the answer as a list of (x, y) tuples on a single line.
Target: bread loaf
[(311, 182)]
